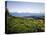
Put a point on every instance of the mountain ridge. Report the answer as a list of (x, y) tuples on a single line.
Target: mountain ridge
[(26, 14)]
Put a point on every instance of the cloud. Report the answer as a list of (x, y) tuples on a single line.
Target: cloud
[(26, 10), (22, 7)]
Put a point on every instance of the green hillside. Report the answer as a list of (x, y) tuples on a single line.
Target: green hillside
[(20, 25)]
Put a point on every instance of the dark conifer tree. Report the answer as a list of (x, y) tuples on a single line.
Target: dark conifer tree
[(6, 12)]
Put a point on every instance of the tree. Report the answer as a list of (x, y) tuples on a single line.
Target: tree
[(6, 12)]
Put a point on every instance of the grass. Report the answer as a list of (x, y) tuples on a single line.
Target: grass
[(22, 25)]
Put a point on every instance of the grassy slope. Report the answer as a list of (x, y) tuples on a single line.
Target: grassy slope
[(17, 25)]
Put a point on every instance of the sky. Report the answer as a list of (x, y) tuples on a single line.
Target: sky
[(25, 7)]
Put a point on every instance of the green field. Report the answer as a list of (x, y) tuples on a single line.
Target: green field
[(24, 25)]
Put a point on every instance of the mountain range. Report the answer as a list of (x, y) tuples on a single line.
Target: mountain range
[(26, 14)]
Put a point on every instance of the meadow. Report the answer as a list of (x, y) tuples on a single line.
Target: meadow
[(24, 25)]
